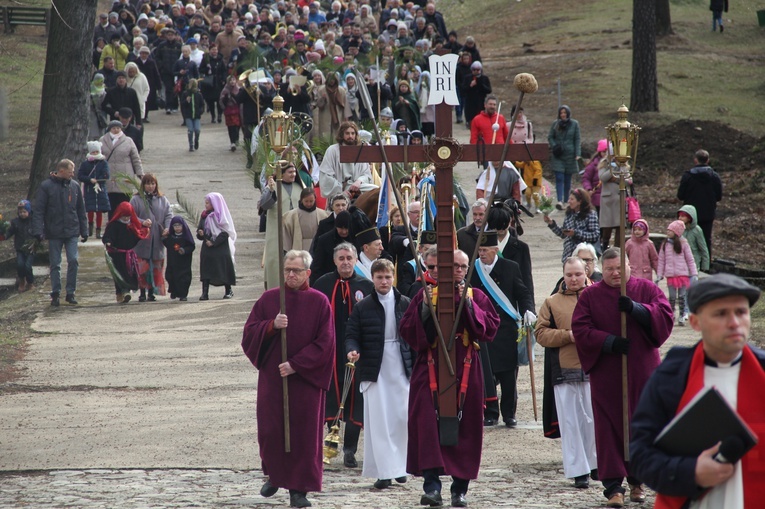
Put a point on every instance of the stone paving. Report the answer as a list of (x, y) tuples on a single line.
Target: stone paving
[(152, 405)]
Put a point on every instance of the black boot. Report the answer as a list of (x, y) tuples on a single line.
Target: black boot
[(98, 233), (90, 229), (205, 291), (196, 140), (151, 297), (297, 499), (229, 293), (191, 141), (54, 299), (142, 297)]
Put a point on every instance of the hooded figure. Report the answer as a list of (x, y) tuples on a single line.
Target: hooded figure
[(122, 234), (94, 174), (180, 244), (218, 235), (695, 236), (641, 252)]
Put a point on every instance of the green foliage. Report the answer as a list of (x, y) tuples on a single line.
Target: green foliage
[(187, 210)]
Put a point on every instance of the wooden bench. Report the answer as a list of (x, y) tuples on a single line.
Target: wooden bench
[(14, 16)]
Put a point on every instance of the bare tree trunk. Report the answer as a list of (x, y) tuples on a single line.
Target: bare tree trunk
[(63, 126), (663, 18), (645, 91)]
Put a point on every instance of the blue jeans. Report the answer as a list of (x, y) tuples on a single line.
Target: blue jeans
[(193, 124), (55, 246), (24, 266), (562, 185)]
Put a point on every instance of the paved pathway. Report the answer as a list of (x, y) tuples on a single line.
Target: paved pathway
[(152, 405)]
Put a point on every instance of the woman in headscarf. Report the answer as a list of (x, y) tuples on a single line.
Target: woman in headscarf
[(406, 107), (329, 111), (218, 235), (180, 244), (351, 100), (153, 208), (138, 82), (94, 174), (122, 234), (97, 122), (230, 108)]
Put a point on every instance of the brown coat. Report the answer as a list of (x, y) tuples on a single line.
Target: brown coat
[(554, 326)]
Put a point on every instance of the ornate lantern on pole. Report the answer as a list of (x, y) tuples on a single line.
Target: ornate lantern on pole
[(278, 131), (623, 143)]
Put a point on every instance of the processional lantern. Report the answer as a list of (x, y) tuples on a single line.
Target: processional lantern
[(278, 126), (623, 138)]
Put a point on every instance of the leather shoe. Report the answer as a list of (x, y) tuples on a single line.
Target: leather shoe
[(297, 499), (511, 423), (582, 482), (489, 422), (381, 484), (637, 494), (349, 460), (432, 498), (401, 480), (70, 299), (459, 500), (268, 489), (616, 500)]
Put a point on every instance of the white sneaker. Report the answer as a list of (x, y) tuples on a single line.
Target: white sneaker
[(681, 320)]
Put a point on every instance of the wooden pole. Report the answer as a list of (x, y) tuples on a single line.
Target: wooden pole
[(623, 279), (282, 305), (530, 350)]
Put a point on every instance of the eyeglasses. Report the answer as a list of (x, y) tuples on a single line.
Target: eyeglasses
[(431, 267), (294, 271), (457, 266)]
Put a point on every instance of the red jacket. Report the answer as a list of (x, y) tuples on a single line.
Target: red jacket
[(482, 123)]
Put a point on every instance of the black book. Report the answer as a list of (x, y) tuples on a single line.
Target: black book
[(707, 419)]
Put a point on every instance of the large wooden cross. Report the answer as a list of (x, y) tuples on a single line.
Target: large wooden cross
[(444, 153)]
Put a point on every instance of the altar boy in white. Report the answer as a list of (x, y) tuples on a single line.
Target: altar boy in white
[(383, 365)]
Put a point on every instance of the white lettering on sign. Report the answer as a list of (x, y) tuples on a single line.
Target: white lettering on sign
[(443, 87)]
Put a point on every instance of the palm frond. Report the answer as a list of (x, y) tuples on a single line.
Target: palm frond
[(131, 185), (118, 279), (185, 209)]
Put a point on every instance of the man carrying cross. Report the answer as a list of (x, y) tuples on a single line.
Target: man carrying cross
[(426, 455)]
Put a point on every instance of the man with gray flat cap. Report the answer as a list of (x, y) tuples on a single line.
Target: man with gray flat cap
[(720, 311)]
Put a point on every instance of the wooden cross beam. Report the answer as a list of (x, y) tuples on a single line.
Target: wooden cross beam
[(445, 152)]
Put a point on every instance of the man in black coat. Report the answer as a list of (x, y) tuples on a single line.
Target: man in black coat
[(501, 280), (467, 236), (134, 133), (166, 54), (121, 96), (399, 242), (504, 221), (701, 187), (325, 246), (148, 67), (344, 289)]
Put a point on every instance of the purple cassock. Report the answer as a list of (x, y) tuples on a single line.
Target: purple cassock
[(424, 448), (596, 317), (311, 353)]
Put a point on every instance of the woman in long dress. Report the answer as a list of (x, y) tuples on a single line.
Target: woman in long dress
[(122, 234), (218, 235), (153, 208)]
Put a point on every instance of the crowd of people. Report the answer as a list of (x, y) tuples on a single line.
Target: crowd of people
[(357, 293)]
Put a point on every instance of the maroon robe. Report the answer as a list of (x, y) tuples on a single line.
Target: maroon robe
[(310, 352), (424, 450), (597, 316)]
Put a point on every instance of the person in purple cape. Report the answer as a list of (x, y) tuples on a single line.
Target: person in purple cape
[(310, 355), (425, 455), (596, 325)]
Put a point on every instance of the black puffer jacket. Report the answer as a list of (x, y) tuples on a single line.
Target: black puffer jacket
[(364, 333)]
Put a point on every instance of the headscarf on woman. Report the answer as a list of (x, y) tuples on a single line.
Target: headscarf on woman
[(186, 234), (135, 226), (351, 101), (219, 220)]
